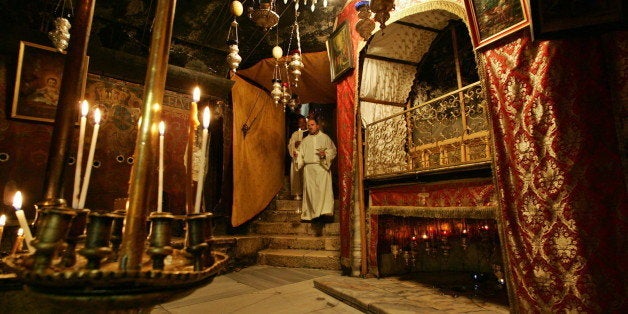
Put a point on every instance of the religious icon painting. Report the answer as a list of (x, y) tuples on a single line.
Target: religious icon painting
[(491, 20), (37, 82), (340, 52)]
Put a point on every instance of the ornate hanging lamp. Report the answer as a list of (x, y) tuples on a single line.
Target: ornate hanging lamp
[(233, 58), (296, 65), (382, 9), (60, 36), (277, 92), (263, 14), (366, 24)]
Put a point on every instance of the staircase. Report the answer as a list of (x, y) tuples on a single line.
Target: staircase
[(292, 243)]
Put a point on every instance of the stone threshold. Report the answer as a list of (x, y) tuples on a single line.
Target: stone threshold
[(392, 295)]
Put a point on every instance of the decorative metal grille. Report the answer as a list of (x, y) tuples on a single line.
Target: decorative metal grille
[(447, 131)]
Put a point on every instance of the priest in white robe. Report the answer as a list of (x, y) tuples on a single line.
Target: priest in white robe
[(296, 175), (315, 155)]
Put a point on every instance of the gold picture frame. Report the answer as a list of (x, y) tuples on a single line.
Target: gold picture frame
[(37, 82), (490, 21), (340, 52)]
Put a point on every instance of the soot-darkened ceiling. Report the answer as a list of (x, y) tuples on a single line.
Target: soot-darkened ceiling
[(199, 32)]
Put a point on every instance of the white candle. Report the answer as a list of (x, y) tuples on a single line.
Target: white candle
[(21, 218), (201, 166), (79, 154), (3, 221), (90, 160), (160, 186)]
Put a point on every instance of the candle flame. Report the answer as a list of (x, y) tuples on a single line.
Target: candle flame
[(162, 128), (17, 200), (196, 95), (139, 122), (3, 220), (97, 116), (206, 117), (20, 232), (84, 108)]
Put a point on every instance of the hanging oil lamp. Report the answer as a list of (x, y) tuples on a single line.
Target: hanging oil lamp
[(382, 9), (366, 24), (295, 67), (277, 92), (60, 36), (264, 15), (234, 58)]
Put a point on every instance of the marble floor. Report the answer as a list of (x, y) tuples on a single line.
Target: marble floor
[(268, 289)]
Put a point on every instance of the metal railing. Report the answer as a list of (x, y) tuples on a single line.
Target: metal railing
[(445, 132)]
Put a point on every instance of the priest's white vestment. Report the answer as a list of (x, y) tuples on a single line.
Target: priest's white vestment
[(318, 196), (296, 175)]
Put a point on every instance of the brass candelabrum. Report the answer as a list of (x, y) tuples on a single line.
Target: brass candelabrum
[(94, 276)]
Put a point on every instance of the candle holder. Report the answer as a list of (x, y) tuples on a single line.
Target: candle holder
[(76, 232), (97, 240), (395, 250), (196, 244), (116, 233), (17, 245), (53, 228), (445, 247), (160, 235)]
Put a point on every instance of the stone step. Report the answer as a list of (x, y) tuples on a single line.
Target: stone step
[(329, 243), (288, 205), (288, 216), (300, 258), (299, 228)]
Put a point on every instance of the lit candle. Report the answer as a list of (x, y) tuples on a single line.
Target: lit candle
[(90, 159), (201, 166), (3, 221), (193, 124), (79, 154), (19, 240), (160, 187), (21, 218)]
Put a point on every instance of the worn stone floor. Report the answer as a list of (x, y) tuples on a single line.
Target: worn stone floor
[(268, 289)]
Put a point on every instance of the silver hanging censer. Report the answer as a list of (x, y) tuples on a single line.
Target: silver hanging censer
[(60, 36)]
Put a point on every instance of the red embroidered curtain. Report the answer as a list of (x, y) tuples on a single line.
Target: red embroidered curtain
[(559, 172)]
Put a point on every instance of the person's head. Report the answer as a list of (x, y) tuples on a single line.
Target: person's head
[(51, 81), (312, 125), (302, 123)]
